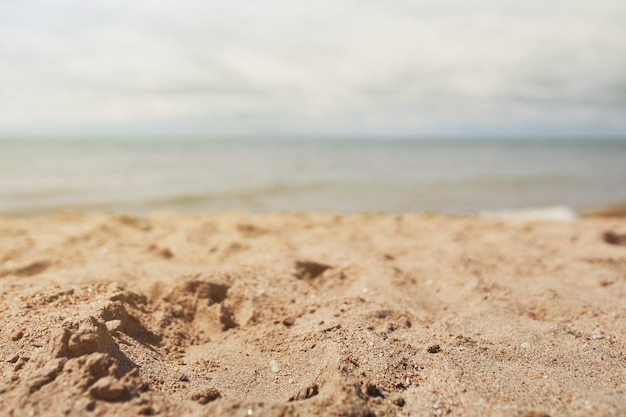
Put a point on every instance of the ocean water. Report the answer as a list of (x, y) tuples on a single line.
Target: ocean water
[(458, 177)]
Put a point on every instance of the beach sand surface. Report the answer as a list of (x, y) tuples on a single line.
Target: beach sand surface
[(290, 314)]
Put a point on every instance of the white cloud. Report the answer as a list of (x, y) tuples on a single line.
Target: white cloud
[(397, 66)]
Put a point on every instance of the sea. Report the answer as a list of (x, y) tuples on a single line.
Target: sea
[(461, 176)]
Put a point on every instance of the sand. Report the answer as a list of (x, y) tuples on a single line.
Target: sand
[(311, 314)]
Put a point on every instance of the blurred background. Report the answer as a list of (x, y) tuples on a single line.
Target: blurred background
[(344, 105)]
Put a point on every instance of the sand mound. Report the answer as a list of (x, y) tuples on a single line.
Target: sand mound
[(311, 314)]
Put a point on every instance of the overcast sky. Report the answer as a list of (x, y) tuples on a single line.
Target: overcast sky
[(331, 67)]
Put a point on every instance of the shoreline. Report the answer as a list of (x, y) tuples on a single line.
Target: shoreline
[(312, 313), (528, 213)]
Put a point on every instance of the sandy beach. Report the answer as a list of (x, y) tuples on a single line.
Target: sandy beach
[(241, 314)]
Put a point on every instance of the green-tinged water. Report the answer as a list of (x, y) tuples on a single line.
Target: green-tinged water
[(303, 175)]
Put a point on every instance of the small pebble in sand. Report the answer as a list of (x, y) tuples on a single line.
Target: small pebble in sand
[(166, 253), (399, 401), (525, 345), (597, 336), (249, 411), (614, 238), (17, 335), (274, 366), (434, 349)]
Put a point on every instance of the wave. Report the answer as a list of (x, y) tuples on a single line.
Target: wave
[(555, 214), (248, 195)]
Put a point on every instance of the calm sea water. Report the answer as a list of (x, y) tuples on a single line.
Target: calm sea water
[(466, 176)]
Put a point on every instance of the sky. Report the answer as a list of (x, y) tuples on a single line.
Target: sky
[(325, 67)]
